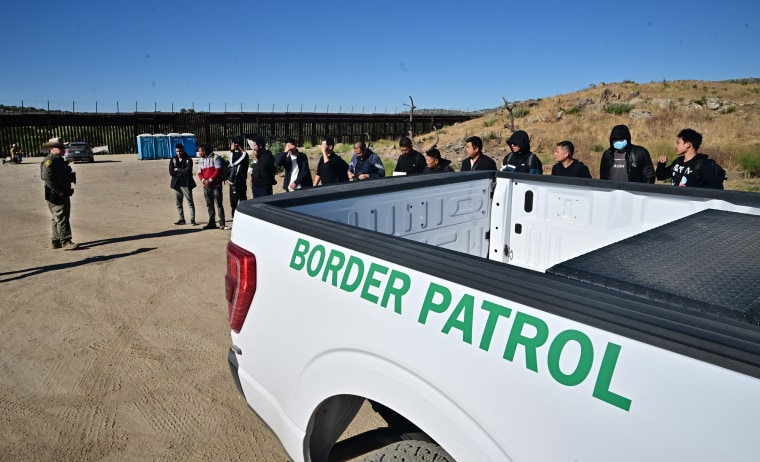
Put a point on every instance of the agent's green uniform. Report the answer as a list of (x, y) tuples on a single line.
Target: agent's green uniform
[(58, 176)]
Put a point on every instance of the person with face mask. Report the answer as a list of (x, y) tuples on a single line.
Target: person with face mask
[(624, 161)]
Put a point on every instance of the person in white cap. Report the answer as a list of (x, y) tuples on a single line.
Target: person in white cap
[(58, 178)]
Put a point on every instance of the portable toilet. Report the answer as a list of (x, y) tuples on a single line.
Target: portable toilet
[(161, 143), (174, 140), (145, 147), (188, 139)]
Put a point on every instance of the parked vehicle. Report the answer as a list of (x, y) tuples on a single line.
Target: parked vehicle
[(78, 151), (500, 317)]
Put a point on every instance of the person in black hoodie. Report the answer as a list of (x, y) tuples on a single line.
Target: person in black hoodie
[(436, 164), (624, 161), (263, 170), (690, 168), (521, 160)]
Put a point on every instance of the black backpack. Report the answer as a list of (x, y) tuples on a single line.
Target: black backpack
[(718, 169)]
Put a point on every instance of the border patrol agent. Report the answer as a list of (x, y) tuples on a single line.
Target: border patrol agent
[(58, 177)]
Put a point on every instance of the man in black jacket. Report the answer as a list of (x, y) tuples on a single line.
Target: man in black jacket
[(181, 171), (296, 165), (410, 162), (263, 170), (624, 161), (476, 159)]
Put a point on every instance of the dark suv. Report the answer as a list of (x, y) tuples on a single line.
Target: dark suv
[(79, 150)]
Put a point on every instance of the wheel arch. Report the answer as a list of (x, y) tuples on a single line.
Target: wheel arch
[(340, 380)]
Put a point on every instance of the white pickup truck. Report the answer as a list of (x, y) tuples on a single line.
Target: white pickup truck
[(500, 317)]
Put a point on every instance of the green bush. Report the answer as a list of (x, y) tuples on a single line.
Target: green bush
[(730, 109), (749, 161), (598, 148), (307, 145), (490, 121), (345, 147), (618, 109), (520, 112), (276, 147), (573, 110)]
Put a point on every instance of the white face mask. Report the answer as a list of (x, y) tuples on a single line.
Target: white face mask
[(620, 145)]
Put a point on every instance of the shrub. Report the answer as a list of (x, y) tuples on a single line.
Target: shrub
[(749, 161), (730, 109), (573, 110), (307, 145), (598, 148), (490, 121), (276, 147), (618, 109), (344, 147), (520, 112)]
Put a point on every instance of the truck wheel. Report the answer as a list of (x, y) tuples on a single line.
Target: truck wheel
[(410, 451)]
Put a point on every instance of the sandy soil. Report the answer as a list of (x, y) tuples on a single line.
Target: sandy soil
[(117, 351)]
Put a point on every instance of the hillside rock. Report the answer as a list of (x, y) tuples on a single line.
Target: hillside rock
[(640, 114), (665, 104), (713, 103)]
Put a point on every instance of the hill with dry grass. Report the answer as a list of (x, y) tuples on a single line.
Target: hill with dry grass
[(726, 113)]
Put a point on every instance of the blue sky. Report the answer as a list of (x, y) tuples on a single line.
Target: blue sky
[(358, 56)]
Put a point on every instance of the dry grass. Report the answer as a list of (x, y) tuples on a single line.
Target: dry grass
[(729, 131)]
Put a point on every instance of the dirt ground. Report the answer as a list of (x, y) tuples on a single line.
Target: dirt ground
[(117, 351)]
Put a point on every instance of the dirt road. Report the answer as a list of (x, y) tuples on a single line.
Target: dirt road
[(116, 351)]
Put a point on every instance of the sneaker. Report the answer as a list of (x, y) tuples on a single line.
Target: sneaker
[(193, 223), (56, 245), (180, 222), (210, 226), (226, 227), (68, 245)]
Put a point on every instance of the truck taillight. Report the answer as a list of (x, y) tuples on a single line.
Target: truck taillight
[(239, 284)]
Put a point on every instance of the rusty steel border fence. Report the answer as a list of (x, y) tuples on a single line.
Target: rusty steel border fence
[(119, 131)]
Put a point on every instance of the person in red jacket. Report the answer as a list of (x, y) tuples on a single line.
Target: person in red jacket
[(210, 174)]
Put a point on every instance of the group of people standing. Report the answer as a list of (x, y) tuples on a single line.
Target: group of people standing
[(623, 161)]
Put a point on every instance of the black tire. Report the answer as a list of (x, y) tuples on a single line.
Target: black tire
[(92, 159), (409, 451)]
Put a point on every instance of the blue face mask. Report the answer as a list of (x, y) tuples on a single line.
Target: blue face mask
[(620, 145)]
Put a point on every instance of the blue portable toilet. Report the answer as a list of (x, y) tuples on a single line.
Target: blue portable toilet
[(145, 147), (161, 143), (188, 139), (174, 140)]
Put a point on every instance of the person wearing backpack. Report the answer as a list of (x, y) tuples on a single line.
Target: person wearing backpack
[(210, 174), (521, 160), (690, 168)]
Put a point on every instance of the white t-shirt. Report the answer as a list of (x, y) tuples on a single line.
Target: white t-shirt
[(293, 171)]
